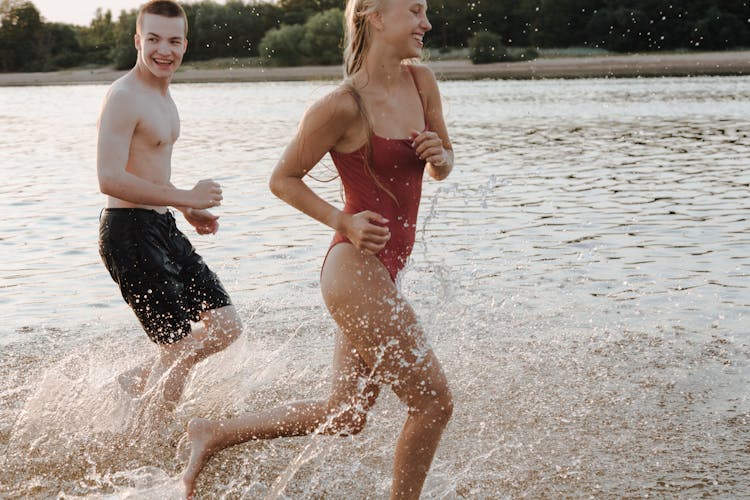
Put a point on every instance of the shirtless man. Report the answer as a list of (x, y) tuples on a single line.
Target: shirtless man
[(160, 275)]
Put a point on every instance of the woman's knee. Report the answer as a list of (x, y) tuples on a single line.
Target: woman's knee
[(348, 423), (349, 419), (437, 406)]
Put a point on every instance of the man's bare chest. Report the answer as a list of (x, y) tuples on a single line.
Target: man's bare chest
[(158, 125)]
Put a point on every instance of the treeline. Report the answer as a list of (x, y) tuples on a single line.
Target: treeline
[(310, 31)]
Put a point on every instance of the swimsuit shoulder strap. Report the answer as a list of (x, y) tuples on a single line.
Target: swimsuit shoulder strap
[(421, 96)]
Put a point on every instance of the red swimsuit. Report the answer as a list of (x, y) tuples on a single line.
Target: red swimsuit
[(399, 169)]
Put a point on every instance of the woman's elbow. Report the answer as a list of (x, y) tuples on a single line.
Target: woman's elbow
[(275, 185)]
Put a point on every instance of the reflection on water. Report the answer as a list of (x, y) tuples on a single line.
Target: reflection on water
[(583, 276)]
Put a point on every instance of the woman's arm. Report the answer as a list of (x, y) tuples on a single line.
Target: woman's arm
[(433, 146), (327, 123)]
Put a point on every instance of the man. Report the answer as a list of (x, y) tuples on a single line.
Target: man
[(160, 275)]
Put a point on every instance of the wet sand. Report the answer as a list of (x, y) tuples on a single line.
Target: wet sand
[(608, 66)]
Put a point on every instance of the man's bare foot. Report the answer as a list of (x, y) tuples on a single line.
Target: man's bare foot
[(202, 437), (133, 381)]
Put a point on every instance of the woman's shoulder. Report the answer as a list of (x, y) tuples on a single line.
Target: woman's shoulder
[(425, 79), (422, 73), (339, 104)]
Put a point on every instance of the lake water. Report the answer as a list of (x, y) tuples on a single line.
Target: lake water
[(583, 276)]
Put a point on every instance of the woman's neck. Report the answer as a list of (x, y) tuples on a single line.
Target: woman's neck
[(383, 68)]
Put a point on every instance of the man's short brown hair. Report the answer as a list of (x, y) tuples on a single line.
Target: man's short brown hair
[(166, 8)]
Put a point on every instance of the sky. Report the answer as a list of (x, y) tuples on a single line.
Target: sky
[(80, 12)]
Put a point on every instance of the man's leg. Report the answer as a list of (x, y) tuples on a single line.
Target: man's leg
[(133, 381), (217, 330)]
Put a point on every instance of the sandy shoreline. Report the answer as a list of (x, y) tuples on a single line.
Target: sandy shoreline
[(609, 66)]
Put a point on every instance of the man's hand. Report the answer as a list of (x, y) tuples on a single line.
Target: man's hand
[(206, 194), (203, 221)]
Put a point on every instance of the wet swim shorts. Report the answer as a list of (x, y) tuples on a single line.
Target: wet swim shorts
[(160, 275)]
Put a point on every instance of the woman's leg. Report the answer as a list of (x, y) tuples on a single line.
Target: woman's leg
[(344, 413), (380, 323)]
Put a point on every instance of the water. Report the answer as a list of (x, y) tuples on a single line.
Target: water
[(583, 276)]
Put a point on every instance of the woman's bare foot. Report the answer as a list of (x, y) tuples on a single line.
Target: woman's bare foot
[(202, 437)]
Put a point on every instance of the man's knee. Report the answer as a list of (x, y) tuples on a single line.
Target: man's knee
[(230, 329), (223, 327)]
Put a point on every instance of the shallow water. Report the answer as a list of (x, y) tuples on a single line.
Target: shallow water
[(583, 276)]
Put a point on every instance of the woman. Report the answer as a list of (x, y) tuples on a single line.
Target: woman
[(383, 127)]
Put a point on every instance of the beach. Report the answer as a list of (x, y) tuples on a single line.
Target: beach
[(729, 63), (582, 276)]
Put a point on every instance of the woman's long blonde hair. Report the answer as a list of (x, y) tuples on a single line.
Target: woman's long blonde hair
[(357, 33), (356, 44)]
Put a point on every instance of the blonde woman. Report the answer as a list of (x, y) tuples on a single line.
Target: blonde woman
[(383, 128)]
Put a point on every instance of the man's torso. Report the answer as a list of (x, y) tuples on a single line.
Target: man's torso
[(154, 136)]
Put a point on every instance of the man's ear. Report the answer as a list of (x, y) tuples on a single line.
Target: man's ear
[(137, 41)]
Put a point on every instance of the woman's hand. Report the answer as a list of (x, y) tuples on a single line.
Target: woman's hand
[(429, 147), (366, 230)]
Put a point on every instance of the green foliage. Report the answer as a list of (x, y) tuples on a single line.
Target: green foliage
[(324, 34), (62, 43), (123, 53), (310, 31), (318, 41), (21, 38), (719, 29), (281, 46), (487, 47), (299, 11), (617, 25), (98, 39), (231, 30)]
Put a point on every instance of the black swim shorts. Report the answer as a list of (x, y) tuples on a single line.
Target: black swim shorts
[(160, 275)]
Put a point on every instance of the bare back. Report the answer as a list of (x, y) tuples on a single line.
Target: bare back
[(138, 128)]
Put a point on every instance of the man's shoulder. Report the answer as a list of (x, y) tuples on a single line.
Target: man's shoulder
[(126, 90)]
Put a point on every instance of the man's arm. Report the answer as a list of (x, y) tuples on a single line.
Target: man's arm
[(202, 220), (116, 126)]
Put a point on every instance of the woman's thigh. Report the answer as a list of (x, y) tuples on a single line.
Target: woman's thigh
[(381, 325)]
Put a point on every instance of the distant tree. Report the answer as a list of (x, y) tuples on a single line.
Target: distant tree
[(63, 48), (234, 29), (124, 53), (452, 22), (281, 46), (323, 40), (719, 29), (561, 23), (318, 41), (98, 39), (622, 29), (299, 11), (21, 36), (487, 47)]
